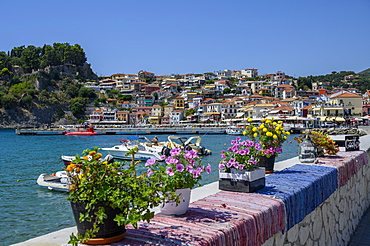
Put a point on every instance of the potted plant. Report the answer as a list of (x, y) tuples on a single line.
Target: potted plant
[(238, 167), (106, 196), (271, 136), (323, 142), (180, 172)]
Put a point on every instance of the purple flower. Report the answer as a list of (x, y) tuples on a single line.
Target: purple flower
[(191, 154), (242, 152), (175, 151), (189, 168), (180, 167), (149, 172), (221, 166), (150, 162), (171, 160), (223, 156), (169, 171), (238, 139), (208, 168), (197, 172), (257, 146)]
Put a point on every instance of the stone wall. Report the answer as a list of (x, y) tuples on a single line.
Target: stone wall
[(335, 220)]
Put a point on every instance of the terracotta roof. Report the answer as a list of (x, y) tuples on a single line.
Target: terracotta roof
[(346, 94), (284, 108)]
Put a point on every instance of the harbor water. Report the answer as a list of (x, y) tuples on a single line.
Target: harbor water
[(28, 211)]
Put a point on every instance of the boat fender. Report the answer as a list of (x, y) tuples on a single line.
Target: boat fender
[(202, 150), (165, 151), (187, 147)]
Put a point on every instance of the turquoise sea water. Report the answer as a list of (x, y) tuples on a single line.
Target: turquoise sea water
[(28, 211)]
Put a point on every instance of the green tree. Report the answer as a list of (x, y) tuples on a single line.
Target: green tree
[(30, 58), (86, 92), (8, 101), (190, 111)]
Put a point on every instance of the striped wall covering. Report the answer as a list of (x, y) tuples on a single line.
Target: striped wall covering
[(347, 163), (301, 188), (226, 218), (231, 218)]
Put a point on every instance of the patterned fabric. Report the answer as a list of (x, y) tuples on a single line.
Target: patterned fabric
[(232, 218)]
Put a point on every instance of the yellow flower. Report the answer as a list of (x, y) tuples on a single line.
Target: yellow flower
[(274, 123), (268, 121), (85, 157), (255, 134), (285, 137), (278, 132), (80, 176), (70, 167), (244, 133), (280, 122), (250, 120), (264, 129), (269, 134), (92, 152), (254, 129), (287, 133), (274, 137)]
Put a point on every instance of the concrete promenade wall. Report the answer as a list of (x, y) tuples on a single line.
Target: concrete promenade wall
[(302, 204)]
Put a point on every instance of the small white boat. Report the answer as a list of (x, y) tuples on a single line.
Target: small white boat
[(59, 181), (234, 131), (67, 159), (192, 143), (147, 150)]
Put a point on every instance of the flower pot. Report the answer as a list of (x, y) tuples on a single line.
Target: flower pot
[(267, 162), (171, 208), (242, 181), (109, 231)]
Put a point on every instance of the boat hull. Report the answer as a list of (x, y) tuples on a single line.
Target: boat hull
[(52, 184)]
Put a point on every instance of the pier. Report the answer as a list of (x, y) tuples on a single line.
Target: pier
[(127, 130)]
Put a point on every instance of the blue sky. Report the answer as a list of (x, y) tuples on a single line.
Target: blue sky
[(165, 37)]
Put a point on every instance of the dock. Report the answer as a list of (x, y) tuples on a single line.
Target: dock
[(126, 130)]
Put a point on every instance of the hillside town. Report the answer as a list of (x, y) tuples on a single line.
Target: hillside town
[(232, 97)]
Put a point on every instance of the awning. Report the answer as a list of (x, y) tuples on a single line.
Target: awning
[(326, 118)]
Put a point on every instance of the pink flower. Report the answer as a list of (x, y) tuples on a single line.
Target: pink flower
[(170, 160), (150, 162), (190, 154), (179, 167), (169, 171), (221, 166), (208, 168), (175, 151), (149, 172)]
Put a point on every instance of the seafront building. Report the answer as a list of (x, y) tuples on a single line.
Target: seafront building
[(222, 97)]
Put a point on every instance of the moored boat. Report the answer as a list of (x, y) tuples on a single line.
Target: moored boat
[(89, 132), (146, 149), (58, 181), (234, 130)]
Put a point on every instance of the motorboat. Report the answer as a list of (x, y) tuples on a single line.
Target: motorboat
[(192, 143), (58, 181), (67, 159), (232, 130), (146, 149), (89, 132)]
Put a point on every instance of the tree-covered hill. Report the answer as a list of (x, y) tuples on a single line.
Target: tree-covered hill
[(360, 81), (42, 85)]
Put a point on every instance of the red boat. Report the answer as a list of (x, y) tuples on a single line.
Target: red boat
[(90, 131)]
